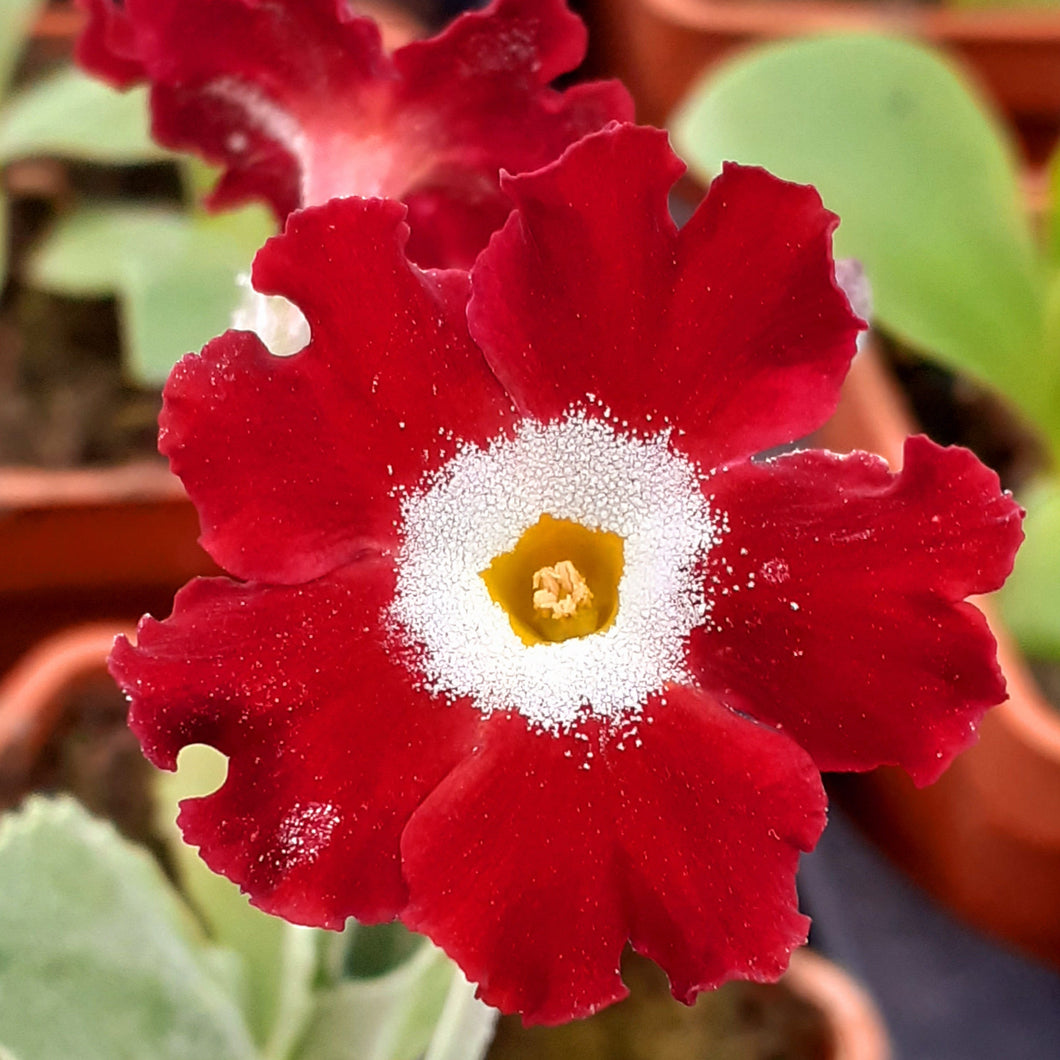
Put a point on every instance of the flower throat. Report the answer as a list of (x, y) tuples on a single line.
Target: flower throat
[(559, 581)]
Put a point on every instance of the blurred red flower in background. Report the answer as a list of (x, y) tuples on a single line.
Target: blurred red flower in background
[(299, 102)]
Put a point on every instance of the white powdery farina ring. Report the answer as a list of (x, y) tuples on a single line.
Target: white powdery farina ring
[(479, 504)]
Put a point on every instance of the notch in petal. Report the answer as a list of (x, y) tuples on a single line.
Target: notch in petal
[(590, 293)]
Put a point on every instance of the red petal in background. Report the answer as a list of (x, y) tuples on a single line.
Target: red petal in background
[(108, 45), (732, 330), (479, 95), (297, 100), (330, 744), (532, 870), (236, 80), (293, 462), (838, 611)]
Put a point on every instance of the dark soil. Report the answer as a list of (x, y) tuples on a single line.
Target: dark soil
[(741, 1021), (953, 410), (65, 400), (1047, 675)]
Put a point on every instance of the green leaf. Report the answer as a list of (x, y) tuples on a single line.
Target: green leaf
[(1030, 599), (16, 18), (198, 177), (922, 178), (375, 949), (88, 251), (99, 960), (1052, 216), (1051, 355), (174, 274), (388, 1017), (279, 960), (71, 115), (465, 1027)]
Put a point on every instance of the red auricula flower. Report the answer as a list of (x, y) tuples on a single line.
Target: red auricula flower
[(299, 102), (527, 650)]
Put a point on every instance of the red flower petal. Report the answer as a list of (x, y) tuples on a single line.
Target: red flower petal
[(450, 225), (292, 462), (484, 84), (532, 871), (330, 744), (299, 103), (108, 45), (838, 610), (715, 329)]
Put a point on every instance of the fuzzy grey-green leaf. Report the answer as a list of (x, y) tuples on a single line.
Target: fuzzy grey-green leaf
[(99, 959), (386, 1017), (279, 960)]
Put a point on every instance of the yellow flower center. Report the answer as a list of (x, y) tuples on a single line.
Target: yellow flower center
[(559, 581)]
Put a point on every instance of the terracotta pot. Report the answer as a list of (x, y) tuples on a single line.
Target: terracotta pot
[(32, 694), (60, 20), (54, 33), (985, 838), (659, 47), (89, 544), (856, 1024), (63, 729)]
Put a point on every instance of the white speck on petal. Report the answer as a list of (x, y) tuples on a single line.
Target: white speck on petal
[(775, 571), (304, 832)]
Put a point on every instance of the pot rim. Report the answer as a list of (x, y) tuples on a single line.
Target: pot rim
[(779, 18), (31, 692), (858, 1027), (38, 487)]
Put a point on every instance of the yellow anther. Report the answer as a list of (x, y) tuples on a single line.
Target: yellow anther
[(560, 591)]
